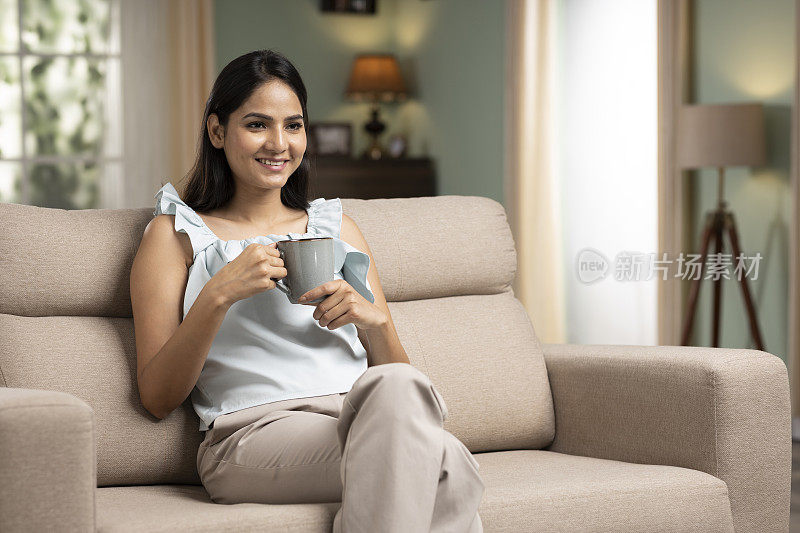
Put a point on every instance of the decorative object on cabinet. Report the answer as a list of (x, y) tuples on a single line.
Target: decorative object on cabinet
[(330, 139), (376, 78), (397, 146)]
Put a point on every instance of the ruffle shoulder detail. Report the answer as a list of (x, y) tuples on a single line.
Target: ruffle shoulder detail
[(186, 220), (354, 265), (325, 217)]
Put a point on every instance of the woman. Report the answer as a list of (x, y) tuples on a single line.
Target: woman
[(299, 403)]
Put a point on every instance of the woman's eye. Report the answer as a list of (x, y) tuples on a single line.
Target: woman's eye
[(294, 125)]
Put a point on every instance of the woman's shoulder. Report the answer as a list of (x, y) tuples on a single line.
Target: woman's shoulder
[(162, 233), (351, 234)]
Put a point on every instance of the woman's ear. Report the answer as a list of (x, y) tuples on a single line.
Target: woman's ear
[(216, 131)]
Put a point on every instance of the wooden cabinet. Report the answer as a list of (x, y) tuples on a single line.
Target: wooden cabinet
[(344, 177)]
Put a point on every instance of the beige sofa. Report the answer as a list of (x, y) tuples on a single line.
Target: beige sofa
[(568, 438)]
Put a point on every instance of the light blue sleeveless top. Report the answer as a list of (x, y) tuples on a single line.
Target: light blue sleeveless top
[(268, 349)]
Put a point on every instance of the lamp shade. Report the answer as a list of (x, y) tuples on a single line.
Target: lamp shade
[(723, 135), (376, 77)]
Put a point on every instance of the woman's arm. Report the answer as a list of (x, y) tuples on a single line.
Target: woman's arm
[(170, 351)]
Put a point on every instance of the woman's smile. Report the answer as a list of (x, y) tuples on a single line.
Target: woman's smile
[(272, 165)]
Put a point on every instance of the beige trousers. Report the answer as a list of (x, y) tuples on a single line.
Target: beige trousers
[(380, 449)]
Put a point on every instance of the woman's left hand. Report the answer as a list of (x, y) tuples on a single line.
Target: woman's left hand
[(343, 305)]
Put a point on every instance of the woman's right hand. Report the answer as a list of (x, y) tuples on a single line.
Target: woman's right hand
[(251, 272)]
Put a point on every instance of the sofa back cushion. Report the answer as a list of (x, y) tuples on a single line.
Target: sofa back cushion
[(446, 264)]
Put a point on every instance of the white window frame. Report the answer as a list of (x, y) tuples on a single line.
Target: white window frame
[(109, 181)]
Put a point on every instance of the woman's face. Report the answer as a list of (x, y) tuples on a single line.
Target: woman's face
[(268, 126)]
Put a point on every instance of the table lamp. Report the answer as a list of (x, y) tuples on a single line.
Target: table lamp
[(375, 78), (722, 135)]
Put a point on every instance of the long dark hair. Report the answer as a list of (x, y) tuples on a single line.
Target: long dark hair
[(209, 184)]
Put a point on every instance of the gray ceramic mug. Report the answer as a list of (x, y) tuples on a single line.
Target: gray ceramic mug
[(309, 264)]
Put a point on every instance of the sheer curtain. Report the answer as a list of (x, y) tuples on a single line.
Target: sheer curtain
[(531, 191), (793, 356), (168, 68), (674, 87)]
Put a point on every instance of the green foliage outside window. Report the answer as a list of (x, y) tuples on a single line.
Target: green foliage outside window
[(60, 59)]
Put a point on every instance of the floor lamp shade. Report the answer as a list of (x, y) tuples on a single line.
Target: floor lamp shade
[(723, 135)]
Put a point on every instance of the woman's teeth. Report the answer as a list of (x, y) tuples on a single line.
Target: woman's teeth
[(271, 163)]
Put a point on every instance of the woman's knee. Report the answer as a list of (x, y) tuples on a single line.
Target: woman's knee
[(400, 384), (393, 376)]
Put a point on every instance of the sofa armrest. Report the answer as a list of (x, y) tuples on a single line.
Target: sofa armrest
[(47, 461), (722, 411)]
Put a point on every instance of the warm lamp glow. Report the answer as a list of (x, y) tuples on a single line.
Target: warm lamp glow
[(770, 84), (376, 77)]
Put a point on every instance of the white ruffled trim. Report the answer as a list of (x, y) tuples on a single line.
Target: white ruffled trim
[(186, 220), (354, 265), (327, 217)]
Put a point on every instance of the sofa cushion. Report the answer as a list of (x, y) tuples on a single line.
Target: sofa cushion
[(94, 358), (435, 246), (68, 262), (482, 355), (526, 490), (446, 265), (538, 490)]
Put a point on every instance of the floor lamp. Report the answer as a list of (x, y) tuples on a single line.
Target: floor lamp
[(720, 136)]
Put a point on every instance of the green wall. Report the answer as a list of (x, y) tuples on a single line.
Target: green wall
[(451, 52), (744, 51)]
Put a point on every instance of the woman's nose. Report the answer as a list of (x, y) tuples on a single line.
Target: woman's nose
[(276, 140)]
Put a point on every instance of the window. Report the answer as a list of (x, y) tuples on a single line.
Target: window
[(60, 102), (608, 124)]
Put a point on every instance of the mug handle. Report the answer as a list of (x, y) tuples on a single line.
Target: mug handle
[(279, 283)]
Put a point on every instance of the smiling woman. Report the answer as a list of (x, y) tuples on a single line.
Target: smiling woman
[(213, 327), (252, 143), (262, 150)]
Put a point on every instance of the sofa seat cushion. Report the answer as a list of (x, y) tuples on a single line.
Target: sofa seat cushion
[(169, 508), (526, 490), (539, 490)]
